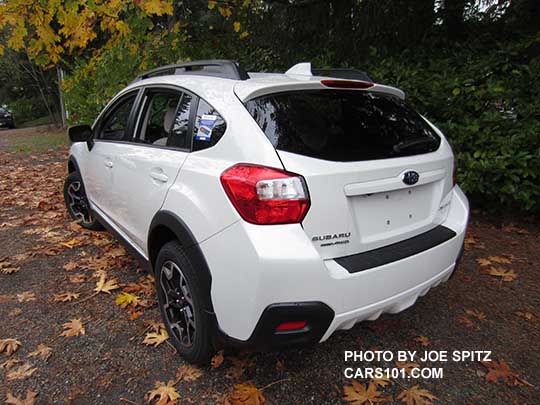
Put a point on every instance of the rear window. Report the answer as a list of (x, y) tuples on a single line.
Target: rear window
[(342, 125)]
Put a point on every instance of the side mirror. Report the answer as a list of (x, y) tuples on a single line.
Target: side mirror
[(80, 133)]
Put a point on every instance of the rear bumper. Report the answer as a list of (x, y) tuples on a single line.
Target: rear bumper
[(254, 268)]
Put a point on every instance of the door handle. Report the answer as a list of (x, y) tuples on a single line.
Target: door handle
[(159, 176), (109, 164)]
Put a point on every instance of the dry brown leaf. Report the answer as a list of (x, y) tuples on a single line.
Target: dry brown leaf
[(21, 372), (217, 360), (247, 394), (26, 296), (10, 270), (15, 312), (423, 340), (135, 315), (73, 328), (463, 320), (69, 266), (416, 396), (77, 278), (187, 372), (106, 286), (381, 382), (499, 259), (503, 274), (30, 398), (483, 262), (500, 370), (164, 393), (357, 393), (5, 298), (529, 316), (6, 365), (75, 242), (42, 351), (476, 313), (9, 346), (407, 366), (156, 338), (513, 228), (66, 297)]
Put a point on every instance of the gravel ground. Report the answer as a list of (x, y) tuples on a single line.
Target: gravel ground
[(109, 363)]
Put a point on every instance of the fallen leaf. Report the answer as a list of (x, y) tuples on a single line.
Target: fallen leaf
[(77, 278), (156, 338), (21, 372), (513, 228), (42, 351), (15, 312), (476, 313), (416, 396), (217, 360), (9, 346), (164, 393), (423, 340), (65, 297), (124, 299), (505, 275), (500, 370), (73, 242), (483, 262), (407, 366), (30, 399), (73, 328), (357, 393), (6, 365), (187, 372), (69, 266), (247, 394), (10, 270), (463, 320), (26, 296), (106, 286), (499, 259), (381, 382), (135, 315), (525, 314)]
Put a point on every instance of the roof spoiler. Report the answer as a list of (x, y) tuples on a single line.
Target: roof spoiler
[(228, 69), (305, 69)]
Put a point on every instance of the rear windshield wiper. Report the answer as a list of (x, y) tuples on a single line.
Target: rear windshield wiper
[(399, 147)]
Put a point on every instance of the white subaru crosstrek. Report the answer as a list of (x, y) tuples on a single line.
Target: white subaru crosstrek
[(273, 209)]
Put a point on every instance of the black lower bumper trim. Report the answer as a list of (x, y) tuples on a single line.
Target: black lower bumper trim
[(318, 317), (396, 251)]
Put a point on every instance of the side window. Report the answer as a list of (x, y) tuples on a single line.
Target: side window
[(158, 117), (209, 127), (116, 122), (179, 134)]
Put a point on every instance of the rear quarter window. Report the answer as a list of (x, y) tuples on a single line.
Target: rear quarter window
[(343, 125)]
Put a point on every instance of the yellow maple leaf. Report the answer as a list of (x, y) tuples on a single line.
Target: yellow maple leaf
[(73, 328), (156, 338), (211, 4), (225, 11), (357, 393), (9, 346), (124, 299), (106, 286), (244, 34), (236, 26), (157, 7), (247, 394), (164, 393), (416, 395)]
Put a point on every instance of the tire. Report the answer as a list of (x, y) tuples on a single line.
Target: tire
[(192, 339), (77, 203)]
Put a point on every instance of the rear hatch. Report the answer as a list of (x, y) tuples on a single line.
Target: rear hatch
[(376, 171)]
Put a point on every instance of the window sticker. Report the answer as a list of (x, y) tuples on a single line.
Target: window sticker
[(203, 134), (208, 120)]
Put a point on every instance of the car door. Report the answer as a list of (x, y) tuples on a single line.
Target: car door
[(146, 167), (114, 126)]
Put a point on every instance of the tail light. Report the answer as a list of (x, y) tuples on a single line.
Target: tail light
[(264, 195), (454, 172), (347, 84)]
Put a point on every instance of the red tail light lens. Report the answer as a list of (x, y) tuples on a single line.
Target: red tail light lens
[(264, 195), (290, 326), (347, 84)]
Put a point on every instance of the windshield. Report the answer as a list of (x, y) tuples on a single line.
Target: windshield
[(342, 125)]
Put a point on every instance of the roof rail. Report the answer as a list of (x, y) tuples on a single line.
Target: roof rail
[(305, 69), (228, 69)]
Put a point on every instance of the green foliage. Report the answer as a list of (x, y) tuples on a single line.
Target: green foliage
[(487, 105)]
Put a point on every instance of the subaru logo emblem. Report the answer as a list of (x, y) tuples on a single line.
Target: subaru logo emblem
[(410, 177)]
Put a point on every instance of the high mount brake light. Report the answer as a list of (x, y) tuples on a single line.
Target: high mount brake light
[(266, 196), (346, 84)]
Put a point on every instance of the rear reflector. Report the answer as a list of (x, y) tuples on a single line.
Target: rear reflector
[(290, 326), (347, 84), (265, 195)]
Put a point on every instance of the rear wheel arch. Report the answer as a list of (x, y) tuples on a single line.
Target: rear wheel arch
[(167, 226), (73, 166)]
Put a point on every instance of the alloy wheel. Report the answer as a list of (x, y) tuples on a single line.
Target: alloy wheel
[(78, 204)]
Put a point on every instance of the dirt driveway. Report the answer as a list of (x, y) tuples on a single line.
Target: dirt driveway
[(79, 322)]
